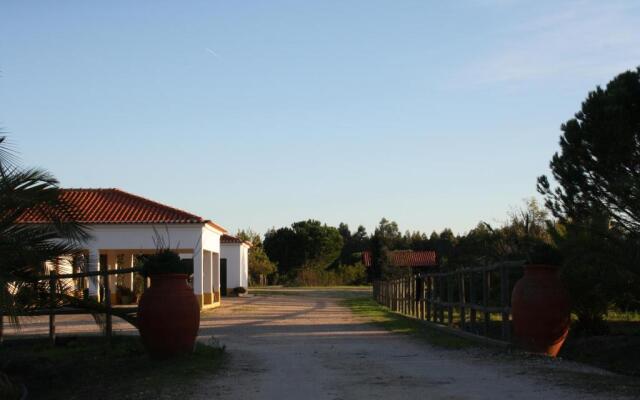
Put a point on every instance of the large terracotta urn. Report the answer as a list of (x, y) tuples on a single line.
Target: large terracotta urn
[(540, 307), (168, 316)]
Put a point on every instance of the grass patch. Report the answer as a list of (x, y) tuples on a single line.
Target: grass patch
[(397, 323), (88, 367), (308, 291), (617, 351)]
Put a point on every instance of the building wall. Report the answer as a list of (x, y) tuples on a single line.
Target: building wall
[(186, 238), (131, 236), (244, 266), (237, 264)]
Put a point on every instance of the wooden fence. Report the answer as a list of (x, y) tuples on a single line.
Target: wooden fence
[(475, 300), (106, 307)]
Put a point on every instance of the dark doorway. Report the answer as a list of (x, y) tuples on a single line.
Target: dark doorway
[(223, 276), (103, 267)]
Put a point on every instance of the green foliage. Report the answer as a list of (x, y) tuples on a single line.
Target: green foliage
[(397, 323), (380, 266), (596, 272), (26, 248), (339, 276), (101, 370), (260, 266), (164, 261), (305, 244), (524, 235), (598, 167), (597, 201), (353, 244)]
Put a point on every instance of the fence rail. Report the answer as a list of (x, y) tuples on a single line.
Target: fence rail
[(107, 309), (468, 299)]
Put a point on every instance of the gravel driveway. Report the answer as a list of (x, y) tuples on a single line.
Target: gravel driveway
[(306, 345), (303, 344)]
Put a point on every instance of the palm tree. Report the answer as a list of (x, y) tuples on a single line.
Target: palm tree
[(25, 248)]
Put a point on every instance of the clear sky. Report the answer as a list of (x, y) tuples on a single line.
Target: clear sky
[(261, 113)]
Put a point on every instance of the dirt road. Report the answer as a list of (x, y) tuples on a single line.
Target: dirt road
[(306, 345), (303, 344)]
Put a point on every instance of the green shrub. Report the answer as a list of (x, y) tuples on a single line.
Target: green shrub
[(341, 275), (165, 262)]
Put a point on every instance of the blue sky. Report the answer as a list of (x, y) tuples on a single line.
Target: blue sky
[(258, 114)]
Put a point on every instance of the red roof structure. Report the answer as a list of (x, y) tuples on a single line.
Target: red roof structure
[(115, 206), (406, 258), (232, 239)]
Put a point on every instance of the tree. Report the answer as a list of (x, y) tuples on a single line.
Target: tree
[(598, 167), (597, 200), (383, 240), (592, 272), (305, 244), (25, 248), (260, 266), (380, 266), (353, 244), (390, 232)]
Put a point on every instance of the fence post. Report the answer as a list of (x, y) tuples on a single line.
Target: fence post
[(485, 300), (450, 299), (387, 294), (52, 306), (393, 295), (504, 300), (107, 303), (407, 308), (473, 299), (419, 297), (428, 282), (442, 298), (462, 298)]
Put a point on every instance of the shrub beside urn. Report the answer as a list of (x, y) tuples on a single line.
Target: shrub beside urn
[(168, 313), (540, 305)]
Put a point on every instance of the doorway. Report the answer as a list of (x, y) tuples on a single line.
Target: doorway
[(223, 276)]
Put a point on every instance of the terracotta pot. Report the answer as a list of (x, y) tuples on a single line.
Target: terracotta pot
[(540, 307), (168, 316)]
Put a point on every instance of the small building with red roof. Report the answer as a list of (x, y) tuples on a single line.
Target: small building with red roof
[(123, 226), (416, 260), (234, 264)]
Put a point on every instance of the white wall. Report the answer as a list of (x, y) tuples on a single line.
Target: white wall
[(194, 237), (237, 264), (141, 236)]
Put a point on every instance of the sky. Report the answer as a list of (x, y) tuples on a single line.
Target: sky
[(258, 114)]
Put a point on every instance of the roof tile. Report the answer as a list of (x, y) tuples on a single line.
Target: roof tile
[(406, 258), (115, 206)]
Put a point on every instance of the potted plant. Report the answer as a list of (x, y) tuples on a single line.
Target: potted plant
[(540, 304), (168, 312), (124, 294)]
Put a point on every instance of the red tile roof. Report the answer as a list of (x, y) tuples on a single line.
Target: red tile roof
[(115, 206), (232, 239), (406, 258)]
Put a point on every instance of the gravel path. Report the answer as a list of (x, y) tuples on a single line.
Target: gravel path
[(307, 346)]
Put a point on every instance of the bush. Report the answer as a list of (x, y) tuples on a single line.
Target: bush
[(165, 262), (341, 275)]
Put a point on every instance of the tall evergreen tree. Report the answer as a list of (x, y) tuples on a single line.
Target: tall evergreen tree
[(598, 167)]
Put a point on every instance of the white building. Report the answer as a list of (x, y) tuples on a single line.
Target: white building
[(234, 263), (123, 225)]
